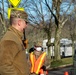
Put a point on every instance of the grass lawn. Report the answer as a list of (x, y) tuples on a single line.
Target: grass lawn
[(63, 61)]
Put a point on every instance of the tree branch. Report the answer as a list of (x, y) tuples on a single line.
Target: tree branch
[(56, 20)]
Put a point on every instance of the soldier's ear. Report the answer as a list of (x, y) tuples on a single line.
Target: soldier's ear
[(19, 22)]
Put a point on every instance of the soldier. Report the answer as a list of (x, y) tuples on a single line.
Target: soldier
[(12, 53)]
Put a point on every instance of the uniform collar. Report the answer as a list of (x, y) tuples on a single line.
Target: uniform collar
[(20, 34)]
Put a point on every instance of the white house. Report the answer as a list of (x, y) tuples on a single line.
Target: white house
[(65, 48)]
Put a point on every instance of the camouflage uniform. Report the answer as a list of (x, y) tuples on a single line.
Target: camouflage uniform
[(12, 53)]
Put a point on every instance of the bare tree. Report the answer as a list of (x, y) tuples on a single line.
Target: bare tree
[(59, 21), (2, 17), (72, 28), (40, 12), (40, 18)]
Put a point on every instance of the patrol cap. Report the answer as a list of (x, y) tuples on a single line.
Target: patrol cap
[(38, 43), (19, 14)]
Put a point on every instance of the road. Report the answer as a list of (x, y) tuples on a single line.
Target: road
[(59, 71)]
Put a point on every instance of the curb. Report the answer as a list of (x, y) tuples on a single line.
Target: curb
[(62, 66)]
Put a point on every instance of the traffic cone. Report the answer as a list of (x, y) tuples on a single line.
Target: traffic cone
[(66, 73)]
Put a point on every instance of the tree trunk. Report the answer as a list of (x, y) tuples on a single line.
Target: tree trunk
[(73, 48), (3, 18), (49, 51), (48, 44), (57, 43)]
